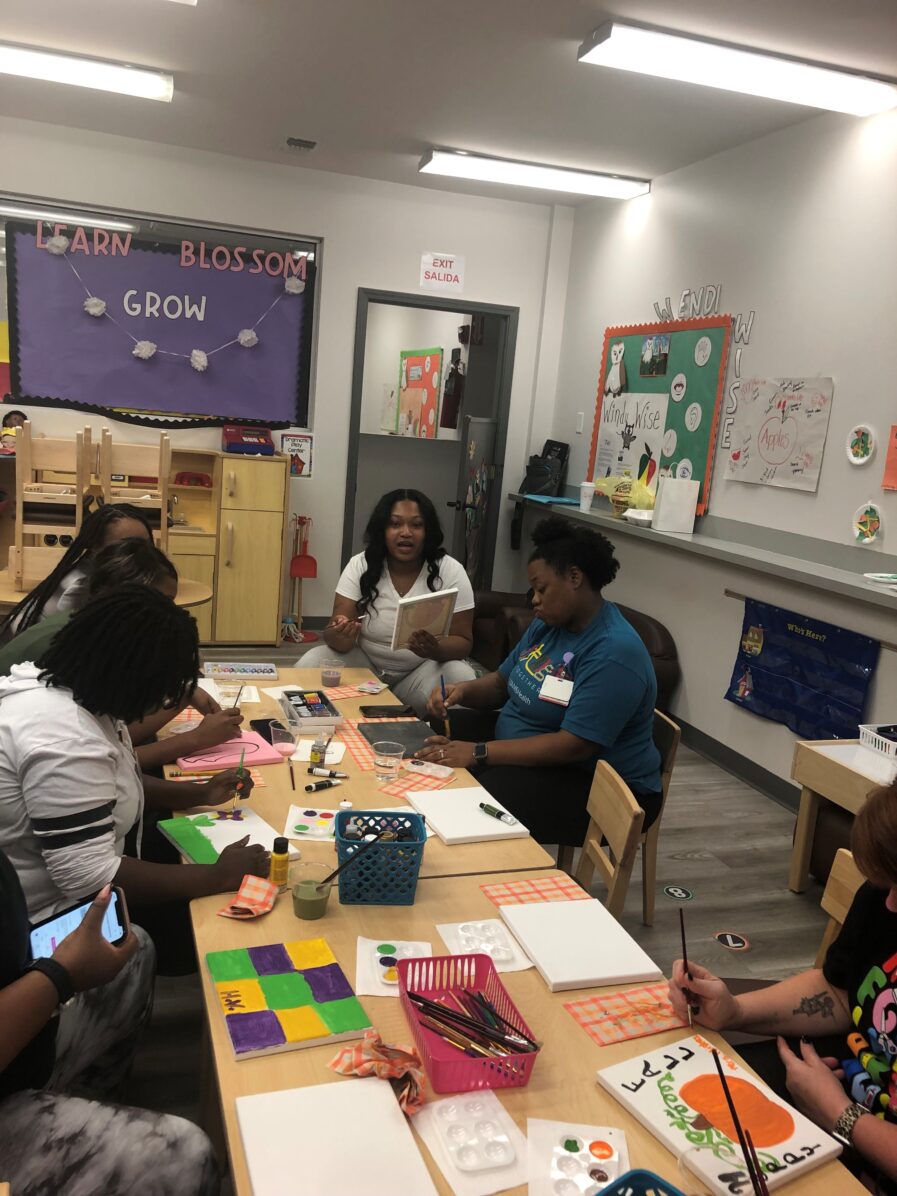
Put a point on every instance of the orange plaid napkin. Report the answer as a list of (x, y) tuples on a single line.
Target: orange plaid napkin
[(619, 1016), (341, 691), (528, 892), (256, 897), (411, 782), (359, 748), (400, 1064)]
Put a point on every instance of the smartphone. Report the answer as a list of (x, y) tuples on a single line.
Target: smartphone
[(426, 768), (387, 712), (48, 934), (263, 727)]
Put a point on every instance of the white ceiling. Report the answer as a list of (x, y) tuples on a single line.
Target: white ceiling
[(377, 82)]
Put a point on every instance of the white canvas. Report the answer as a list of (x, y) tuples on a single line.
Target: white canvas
[(630, 434), (658, 1087), (455, 816), (578, 944), (778, 432), (331, 1140), (424, 612)]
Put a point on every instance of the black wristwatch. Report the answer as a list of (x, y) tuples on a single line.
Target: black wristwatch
[(480, 753), (56, 972)]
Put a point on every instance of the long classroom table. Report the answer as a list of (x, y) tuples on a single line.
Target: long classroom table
[(562, 1086), (272, 802)]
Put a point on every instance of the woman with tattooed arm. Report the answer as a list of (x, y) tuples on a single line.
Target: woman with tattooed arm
[(847, 1080)]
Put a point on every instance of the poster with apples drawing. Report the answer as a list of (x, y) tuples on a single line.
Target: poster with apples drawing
[(778, 435)]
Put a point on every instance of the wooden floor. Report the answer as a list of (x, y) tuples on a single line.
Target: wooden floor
[(722, 840)]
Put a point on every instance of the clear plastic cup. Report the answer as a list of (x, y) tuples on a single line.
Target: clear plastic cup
[(331, 673), (387, 760), (310, 897), (282, 740)]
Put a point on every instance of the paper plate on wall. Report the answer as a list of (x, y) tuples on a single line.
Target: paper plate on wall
[(861, 440), (867, 523)]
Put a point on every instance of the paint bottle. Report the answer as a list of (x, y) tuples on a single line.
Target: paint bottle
[(279, 873), (318, 752)]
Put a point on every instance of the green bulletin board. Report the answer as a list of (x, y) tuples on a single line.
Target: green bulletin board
[(658, 402)]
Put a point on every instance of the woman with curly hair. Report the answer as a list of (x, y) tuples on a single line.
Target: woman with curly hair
[(403, 557), (578, 688)]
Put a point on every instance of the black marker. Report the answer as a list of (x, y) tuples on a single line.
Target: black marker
[(318, 785), (327, 772)]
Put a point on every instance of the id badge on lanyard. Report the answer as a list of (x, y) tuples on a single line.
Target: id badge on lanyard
[(558, 687)]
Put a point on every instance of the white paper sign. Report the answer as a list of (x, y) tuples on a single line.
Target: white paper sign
[(630, 436), (441, 272), (778, 432)]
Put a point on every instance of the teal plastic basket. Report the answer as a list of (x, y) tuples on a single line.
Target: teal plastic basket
[(641, 1183), (387, 872)]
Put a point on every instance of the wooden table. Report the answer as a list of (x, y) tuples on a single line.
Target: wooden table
[(839, 770), (190, 593), (273, 801), (562, 1086)]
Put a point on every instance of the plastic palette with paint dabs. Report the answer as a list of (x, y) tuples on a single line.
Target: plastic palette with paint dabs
[(284, 996)]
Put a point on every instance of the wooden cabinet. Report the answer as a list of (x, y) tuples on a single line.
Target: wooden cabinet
[(233, 539), (247, 594)]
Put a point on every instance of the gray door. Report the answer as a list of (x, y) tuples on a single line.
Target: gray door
[(476, 476)]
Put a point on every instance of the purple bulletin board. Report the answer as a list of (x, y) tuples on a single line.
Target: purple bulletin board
[(180, 296)]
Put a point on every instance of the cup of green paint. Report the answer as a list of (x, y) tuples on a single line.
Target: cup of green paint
[(310, 896)]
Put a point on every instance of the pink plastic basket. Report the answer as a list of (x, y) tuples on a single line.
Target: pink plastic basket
[(448, 1068)]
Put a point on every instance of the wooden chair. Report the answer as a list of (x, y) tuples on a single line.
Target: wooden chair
[(843, 881), (52, 481), (666, 739), (613, 836), (121, 462)]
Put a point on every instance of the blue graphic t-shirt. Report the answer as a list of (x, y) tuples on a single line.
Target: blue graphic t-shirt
[(614, 691)]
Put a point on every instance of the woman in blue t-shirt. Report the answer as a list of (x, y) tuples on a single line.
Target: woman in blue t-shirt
[(579, 687)]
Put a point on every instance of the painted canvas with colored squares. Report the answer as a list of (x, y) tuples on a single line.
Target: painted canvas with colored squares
[(284, 996)]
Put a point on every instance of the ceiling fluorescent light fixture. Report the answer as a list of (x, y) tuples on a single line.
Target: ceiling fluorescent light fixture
[(13, 211), (32, 63), (459, 164), (687, 59)]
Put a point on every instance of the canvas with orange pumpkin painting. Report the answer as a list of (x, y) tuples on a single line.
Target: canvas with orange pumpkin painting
[(675, 1092)]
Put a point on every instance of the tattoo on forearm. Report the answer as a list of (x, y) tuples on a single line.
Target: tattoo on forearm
[(821, 1003)]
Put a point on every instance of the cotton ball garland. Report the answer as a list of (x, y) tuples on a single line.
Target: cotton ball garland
[(144, 350), (294, 286), (199, 360), (57, 245), (247, 337), (94, 306)]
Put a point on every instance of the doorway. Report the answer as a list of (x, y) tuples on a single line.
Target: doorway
[(431, 390)]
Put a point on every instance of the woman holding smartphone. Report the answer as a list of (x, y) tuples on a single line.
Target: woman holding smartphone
[(403, 557), (53, 1142), (70, 786)]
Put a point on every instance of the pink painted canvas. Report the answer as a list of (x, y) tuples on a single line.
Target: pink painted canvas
[(227, 755)]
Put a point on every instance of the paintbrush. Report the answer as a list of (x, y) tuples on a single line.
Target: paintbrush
[(516, 1042), (292, 777), (240, 773), (445, 717), (236, 705), (351, 860), (733, 1113), (761, 1177), (693, 1007)]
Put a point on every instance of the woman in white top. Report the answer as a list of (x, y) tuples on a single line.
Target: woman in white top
[(403, 558)]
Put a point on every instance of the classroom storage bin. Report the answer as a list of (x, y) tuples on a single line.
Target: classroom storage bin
[(448, 1069), (640, 1183), (387, 872), (885, 745)]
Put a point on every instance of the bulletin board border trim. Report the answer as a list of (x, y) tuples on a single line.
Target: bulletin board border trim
[(651, 329)]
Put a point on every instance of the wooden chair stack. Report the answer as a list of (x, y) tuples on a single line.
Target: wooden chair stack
[(121, 464), (615, 828), (48, 506)]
